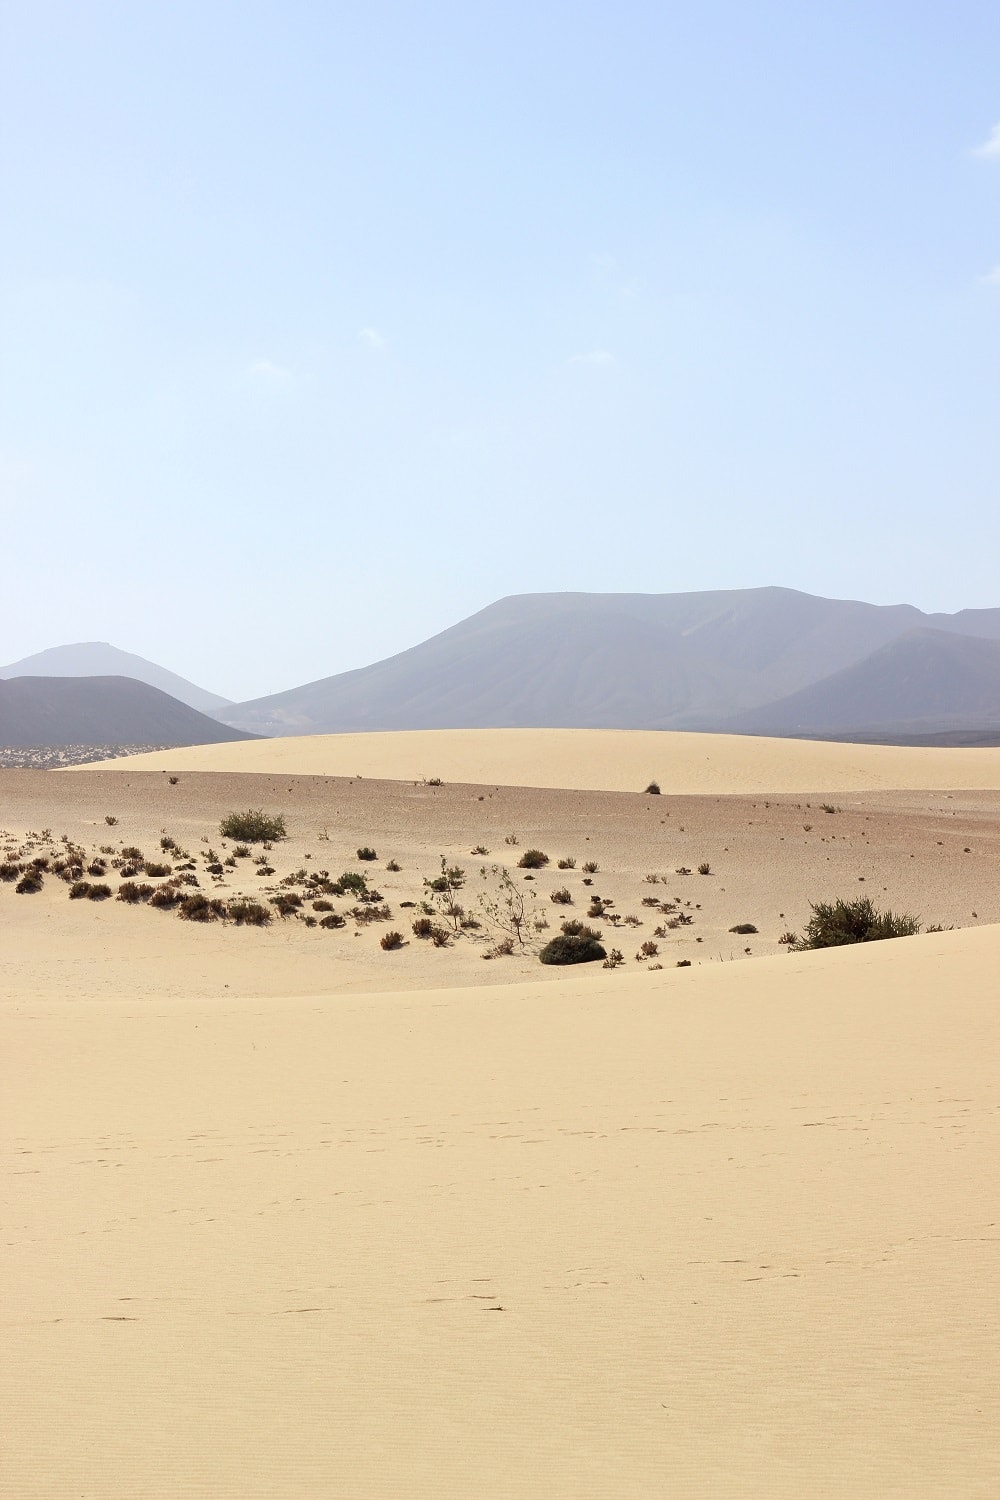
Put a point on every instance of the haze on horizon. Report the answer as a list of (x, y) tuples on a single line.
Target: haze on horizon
[(322, 330)]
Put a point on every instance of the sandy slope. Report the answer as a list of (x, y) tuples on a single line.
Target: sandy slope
[(710, 1232), (611, 760)]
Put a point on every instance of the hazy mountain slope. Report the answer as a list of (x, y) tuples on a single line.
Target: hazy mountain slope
[(100, 711), (99, 659), (600, 660), (928, 680)]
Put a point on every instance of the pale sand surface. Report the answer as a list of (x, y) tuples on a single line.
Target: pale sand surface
[(594, 759), (727, 1231), (290, 1216)]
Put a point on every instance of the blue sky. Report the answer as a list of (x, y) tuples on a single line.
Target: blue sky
[(323, 326)]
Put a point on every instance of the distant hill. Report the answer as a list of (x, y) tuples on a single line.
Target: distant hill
[(101, 711), (925, 682), (633, 661), (99, 659)]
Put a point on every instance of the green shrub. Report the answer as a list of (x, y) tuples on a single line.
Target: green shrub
[(572, 927), (572, 948), (286, 904), (253, 827), (837, 923), (351, 882), (532, 859)]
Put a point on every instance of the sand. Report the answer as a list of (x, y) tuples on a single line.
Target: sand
[(595, 759), (292, 1216)]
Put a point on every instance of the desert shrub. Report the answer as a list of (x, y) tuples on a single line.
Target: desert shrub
[(651, 901), (322, 905), (705, 868), (572, 948), (422, 927), (198, 908), (596, 908), (79, 889), (253, 826), (164, 898), (561, 897), (632, 920), (333, 920), (479, 849), (614, 958), (110, 819), (391, 940), (394, 866), (566, 864), (99, 893), (574, 928), (134, 854), (153, 868), (172, 780), (286, 904), (683, 963), (788, 938), (532, 859), (502, 949), (242, 851), (827, 807), (648, 950), (351, 882), (264, 869), (247, 913), (132, 892), (367, 854), (97, 867), (30, 882), (213, 867), (837, 923), (440, 937), (743, 928), (653, 790), (365, 914), (166, 842), (9, 871)]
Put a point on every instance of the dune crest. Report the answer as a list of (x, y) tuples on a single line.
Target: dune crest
[(594, 760)]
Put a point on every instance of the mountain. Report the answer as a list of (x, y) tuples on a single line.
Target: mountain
[(100, 711), (98, 659), (926, 681), (636, 661)]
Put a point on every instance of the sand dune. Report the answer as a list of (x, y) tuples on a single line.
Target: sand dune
[(707, 1232), (595, 759), (294, 1216)]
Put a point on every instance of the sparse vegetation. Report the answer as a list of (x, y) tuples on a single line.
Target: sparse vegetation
[(247, 913), (532, 859), (743, 928), (835, 924), (653, 790), (566, 864), (590, 867), (561, 897), (391, 940), (367, 854), (705, 868), (133, 892), (253, 826), (614, 959)]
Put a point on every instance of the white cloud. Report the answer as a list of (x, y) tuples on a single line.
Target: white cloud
[(990, 147), (594, 357), (268, 370), (372, 339)]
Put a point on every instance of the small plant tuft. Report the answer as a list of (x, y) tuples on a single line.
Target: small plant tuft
[(532, 859)]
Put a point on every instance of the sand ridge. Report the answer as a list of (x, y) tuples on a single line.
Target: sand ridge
[(595, 759)]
